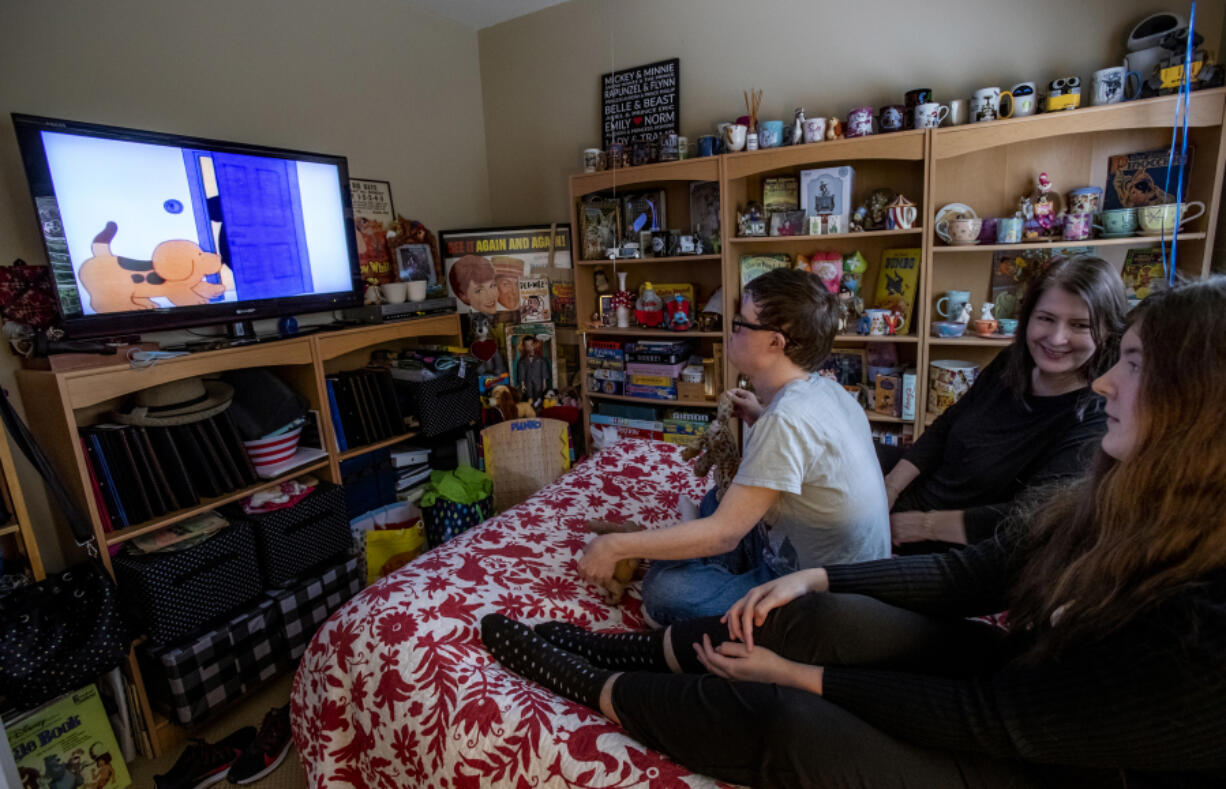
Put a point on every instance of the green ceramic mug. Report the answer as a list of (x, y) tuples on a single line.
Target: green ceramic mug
[(1117, 222)]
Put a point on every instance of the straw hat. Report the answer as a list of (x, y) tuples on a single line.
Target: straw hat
[(177, 403)]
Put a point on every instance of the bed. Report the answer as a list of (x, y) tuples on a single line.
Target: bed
[(396, 689)]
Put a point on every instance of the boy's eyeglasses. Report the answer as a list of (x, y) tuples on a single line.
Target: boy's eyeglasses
[(741, 323)]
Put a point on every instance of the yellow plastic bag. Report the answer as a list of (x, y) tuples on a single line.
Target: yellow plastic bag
[(387, 550)]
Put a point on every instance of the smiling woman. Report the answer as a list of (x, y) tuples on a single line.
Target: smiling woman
[(1030, 417)]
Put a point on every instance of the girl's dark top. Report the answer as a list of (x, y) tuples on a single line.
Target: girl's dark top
[(989, 447), (1149, 699)]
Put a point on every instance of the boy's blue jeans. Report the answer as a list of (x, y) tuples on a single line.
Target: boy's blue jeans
[(681, 589)]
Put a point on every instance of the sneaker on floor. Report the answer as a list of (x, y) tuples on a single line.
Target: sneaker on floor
[(267, 750), (203, 764)]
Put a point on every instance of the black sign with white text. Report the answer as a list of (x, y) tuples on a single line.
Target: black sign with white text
[(640, 103)]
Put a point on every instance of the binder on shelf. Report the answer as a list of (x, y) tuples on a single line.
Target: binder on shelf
[(175, 470), (158, 471), (100, 500), (144, 466), (338, 426)]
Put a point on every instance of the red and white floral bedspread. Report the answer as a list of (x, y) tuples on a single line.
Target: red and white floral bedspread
[(397, 691)]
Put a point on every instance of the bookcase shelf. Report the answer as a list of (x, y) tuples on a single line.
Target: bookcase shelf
[(387, 442), (818, 240), (1130, 241), (655, 400), (66, 401), (657, 261)]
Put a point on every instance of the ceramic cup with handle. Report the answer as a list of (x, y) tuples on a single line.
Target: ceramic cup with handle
[(734, 136), (960, 231), (948, 380), (859, 122), (1077, 227), (1084, 200), (770, 134), (929, 115), (1025, 99), (1009, 229), (986, 105), (1156, 219), (950, 305), (1111, 86), (814, 129), (1117, 222), (891, 119)]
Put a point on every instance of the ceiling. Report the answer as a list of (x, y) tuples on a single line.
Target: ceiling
[(476, 14)]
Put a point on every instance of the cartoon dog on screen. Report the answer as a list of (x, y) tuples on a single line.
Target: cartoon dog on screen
[(176, 273)]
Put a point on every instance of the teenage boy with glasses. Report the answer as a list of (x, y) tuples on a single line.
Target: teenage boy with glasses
[(809, 491)]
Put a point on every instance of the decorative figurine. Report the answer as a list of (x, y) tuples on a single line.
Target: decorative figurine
[(1048, 207), (798, 128), (893, 322), (828, 266), (985, 311), (858, 219), (600, 280), (834, 129), (901, 214), (679, 313), (964, 316), (649, 309), (623, 301)]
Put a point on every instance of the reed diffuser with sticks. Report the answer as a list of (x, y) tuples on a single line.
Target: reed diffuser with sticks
[(753, 100)]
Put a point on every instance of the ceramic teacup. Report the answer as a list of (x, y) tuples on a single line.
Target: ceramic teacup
[(1006, 326), (734, 136), (961, 231), (876, 324), (1111, 85), (814, 129), (1117, 222), (890, 119), (395, 292), (1155, 219), (859, 122), (929, 115), (1084, 200), (593, 160), (416, 289), (985, 326), (1078, 227), (1025, 99)]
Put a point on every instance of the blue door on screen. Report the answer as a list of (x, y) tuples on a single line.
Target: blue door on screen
[(262, 216)]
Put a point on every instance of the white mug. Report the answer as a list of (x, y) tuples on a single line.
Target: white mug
[(957, 112), (735, 136), (417, 289), (930, 115), (1025, 99), (394, 292), (1111, 86), (814, 129), (985, 105)]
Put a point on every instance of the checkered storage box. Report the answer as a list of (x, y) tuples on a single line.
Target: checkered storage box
[(191, 680), (303, 608), (293, 540), (176, 594)]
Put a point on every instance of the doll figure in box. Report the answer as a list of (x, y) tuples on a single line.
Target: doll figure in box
[(1047, 206), (678, 313)]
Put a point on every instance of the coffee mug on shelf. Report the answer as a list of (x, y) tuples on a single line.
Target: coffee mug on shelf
[(416, 289), (770, 134), (708, 145), (911, 100), (734, 136), (814, 129), (593, 160), (1025, 99), (876, 321), (960, 231), (1078, 227), (1160, 219), (1111, 86), (957, 112), (1085, 200), (394, 292), (950, 305), (929, 115), (948, 380), (1009, 230), (891, 119), (986, 105), (859, 122)]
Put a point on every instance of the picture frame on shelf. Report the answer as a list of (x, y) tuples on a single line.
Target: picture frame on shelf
[(415, 262), (845, 365), (373, 215)]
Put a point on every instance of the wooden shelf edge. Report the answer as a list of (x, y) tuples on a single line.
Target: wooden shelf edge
[(387, 442), (903, 146), (913, 231), (704, 168), (971, 342), (873, 416), (681, 335), (123, 535), (674, 259), (906, 339), (9, 528), (1135, 241), (653, 400)]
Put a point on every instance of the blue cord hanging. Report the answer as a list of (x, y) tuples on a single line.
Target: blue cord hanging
[(1182, 103)]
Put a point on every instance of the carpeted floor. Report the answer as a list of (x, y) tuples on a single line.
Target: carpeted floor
[(249, 712)]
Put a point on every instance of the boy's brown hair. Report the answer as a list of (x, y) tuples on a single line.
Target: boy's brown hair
[(797, 304)]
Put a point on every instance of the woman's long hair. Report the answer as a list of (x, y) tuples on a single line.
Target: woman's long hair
[(1096, 283), (1138, 530)]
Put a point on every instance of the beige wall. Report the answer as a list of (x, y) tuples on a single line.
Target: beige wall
[(540, 73), (396, 90)]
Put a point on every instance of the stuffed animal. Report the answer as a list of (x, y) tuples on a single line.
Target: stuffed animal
[(623, 571), (509, 405), (717, 448)]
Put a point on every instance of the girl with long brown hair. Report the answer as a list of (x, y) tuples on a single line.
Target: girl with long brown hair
[(1112, 673)]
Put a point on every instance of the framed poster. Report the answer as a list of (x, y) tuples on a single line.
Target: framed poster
[(373, 215), (640, 103), (483, 266)]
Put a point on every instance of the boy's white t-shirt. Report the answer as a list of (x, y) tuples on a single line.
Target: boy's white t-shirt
[(813, 443)]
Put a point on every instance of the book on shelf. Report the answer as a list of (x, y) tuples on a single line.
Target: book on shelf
[(897, 283), (781, 193), (68, 742), (754, 266), (1145, 178), (1141, 267), (534, 300)]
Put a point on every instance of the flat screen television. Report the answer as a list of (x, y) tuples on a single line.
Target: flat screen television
[(147, 231)]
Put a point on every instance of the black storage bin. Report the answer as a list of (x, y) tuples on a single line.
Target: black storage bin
[(443, 403), (370, 482), (174, 594), (296, 539)]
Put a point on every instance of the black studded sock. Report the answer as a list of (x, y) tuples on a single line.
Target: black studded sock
[(616, 651), (527, 654)]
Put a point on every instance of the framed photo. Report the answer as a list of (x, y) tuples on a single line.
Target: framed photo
[(373, 214), (845, 366), (606, 304), (483, 266), (788, 223), (415, 262)]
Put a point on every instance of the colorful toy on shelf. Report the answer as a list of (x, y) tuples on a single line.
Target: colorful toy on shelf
[(752, 221), (901, 214), (827, 264), (679, 313), (649, 309), (834, 129), (893, 322)]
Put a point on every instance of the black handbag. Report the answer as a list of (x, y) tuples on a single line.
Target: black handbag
[(59, 634)]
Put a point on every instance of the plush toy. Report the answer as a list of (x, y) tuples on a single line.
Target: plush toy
[(509, 405), (623, 571), (717, 448), (828, 266)]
